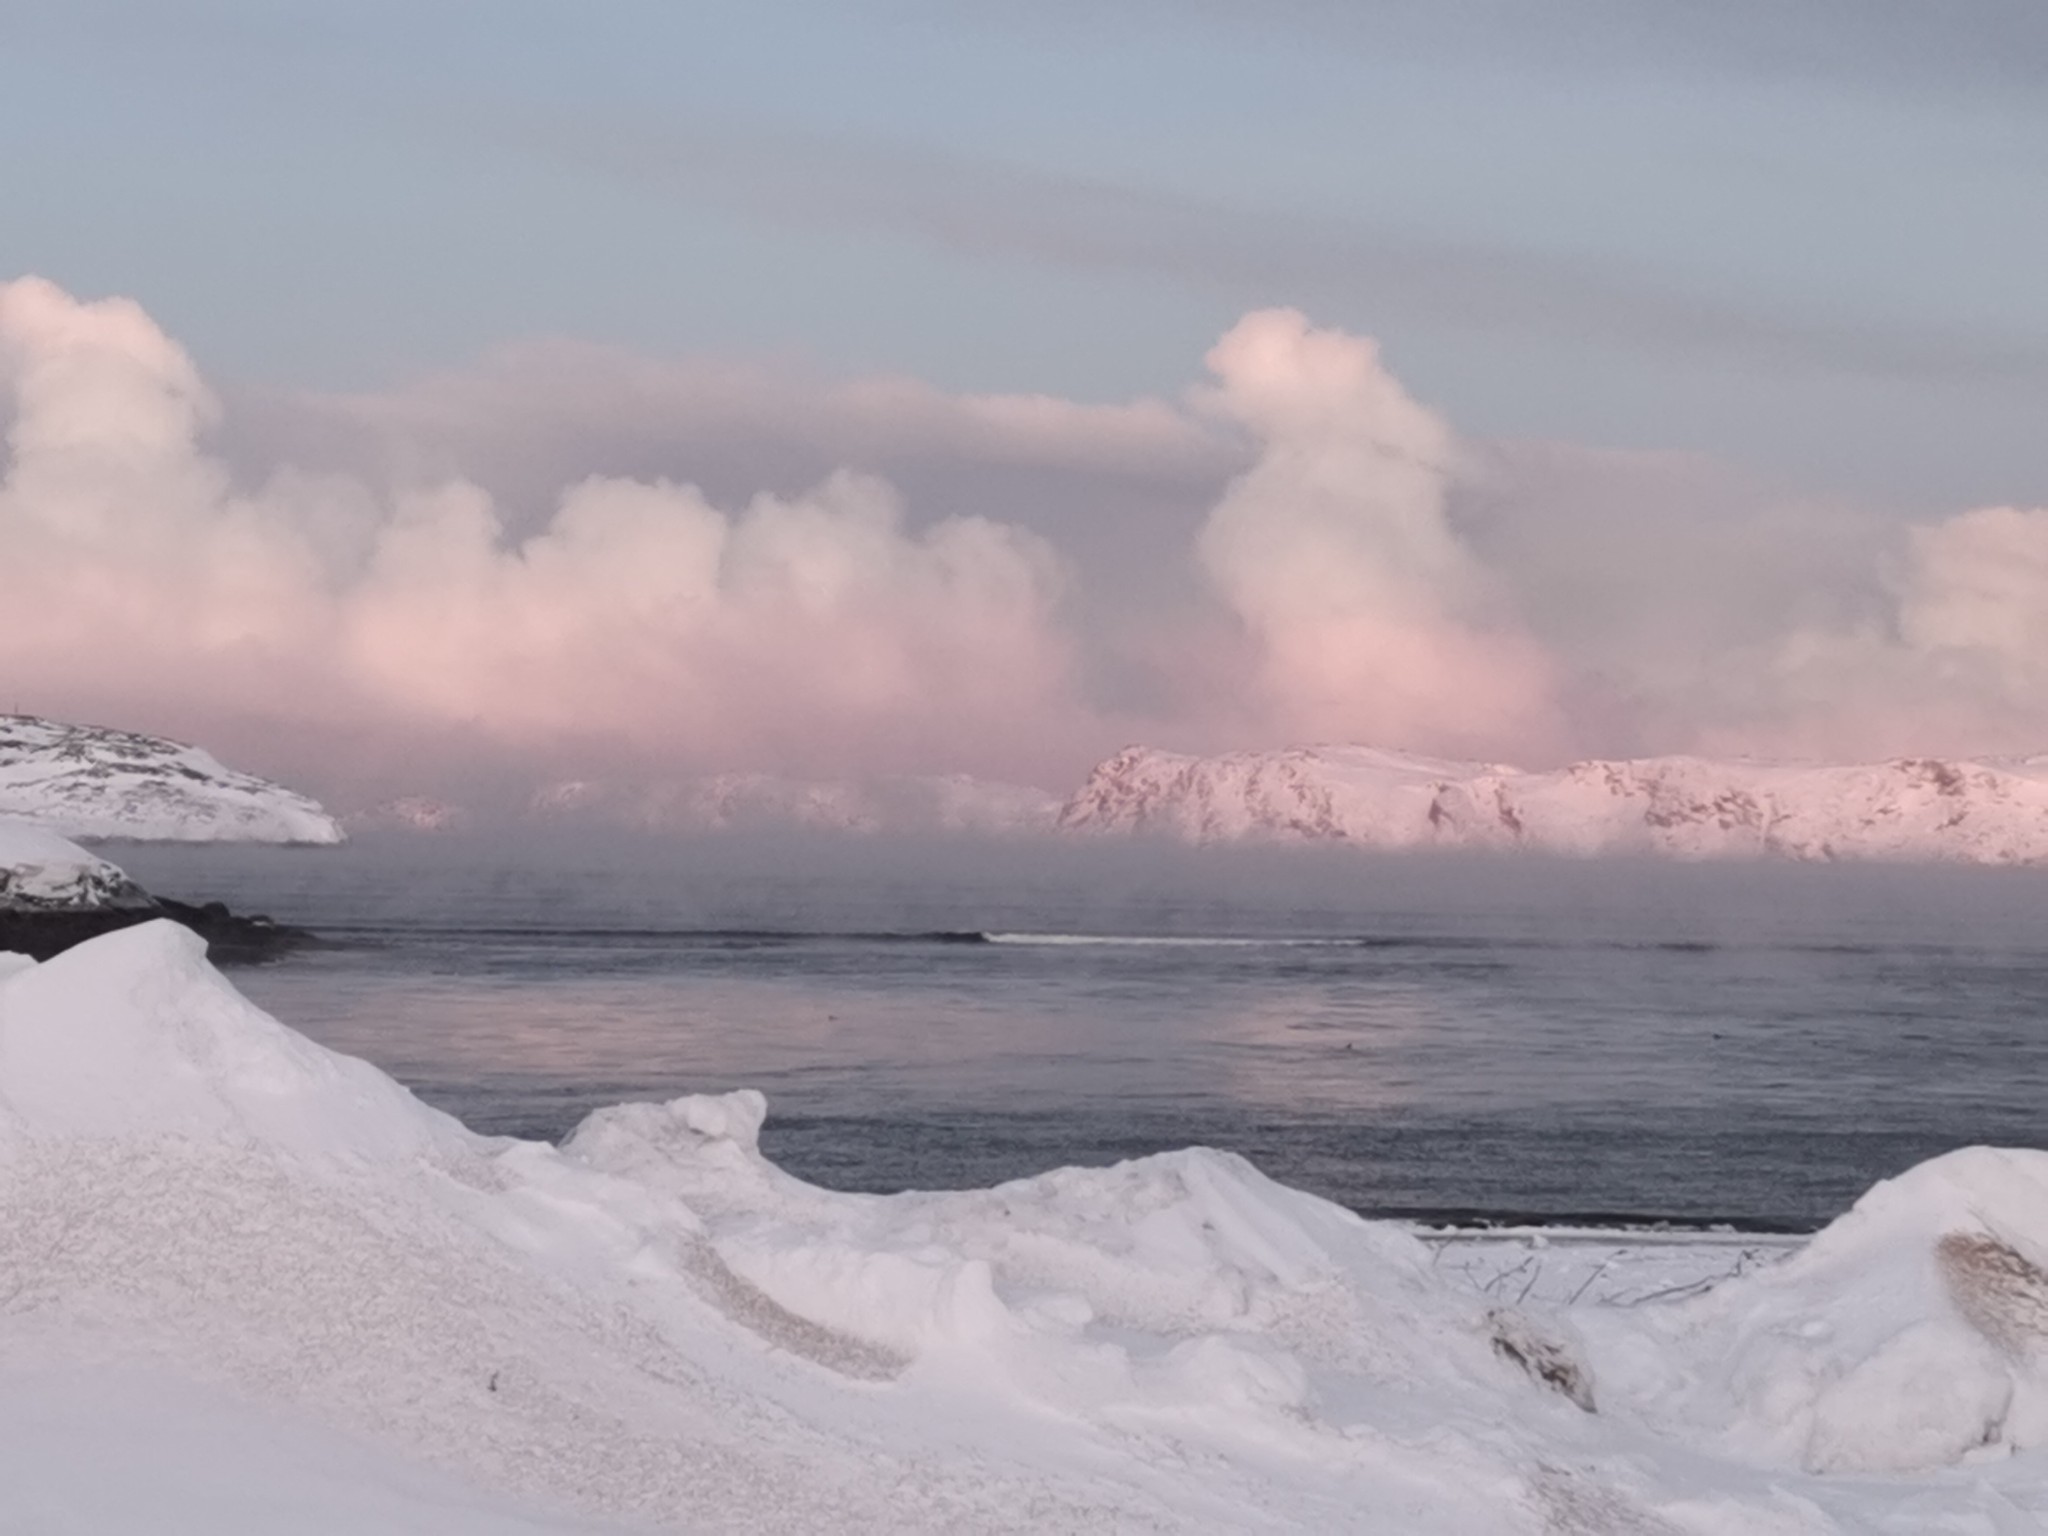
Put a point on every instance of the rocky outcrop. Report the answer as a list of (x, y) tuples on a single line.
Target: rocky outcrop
[(54, 894)]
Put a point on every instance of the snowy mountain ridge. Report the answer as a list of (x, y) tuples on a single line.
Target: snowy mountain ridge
[(95, 782), (1991, 811)]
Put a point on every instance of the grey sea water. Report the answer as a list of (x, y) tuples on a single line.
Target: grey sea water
[(1514, 1039)]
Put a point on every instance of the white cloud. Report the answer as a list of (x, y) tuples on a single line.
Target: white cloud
[(1374, 621), (808, 629), (1364, 576)]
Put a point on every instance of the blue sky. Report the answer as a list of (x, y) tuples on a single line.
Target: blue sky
[(1802, 236)]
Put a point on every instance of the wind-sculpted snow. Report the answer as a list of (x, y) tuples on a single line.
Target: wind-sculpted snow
[(1688, 807), (655, 1324), (89, 781)]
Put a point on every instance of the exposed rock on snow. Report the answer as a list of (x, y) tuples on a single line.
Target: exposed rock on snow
[(654, 1323), (1689, 807), (54, 894), (89, 781), (42, 872)]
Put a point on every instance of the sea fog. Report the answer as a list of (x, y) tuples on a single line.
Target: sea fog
[(1441, 1036)]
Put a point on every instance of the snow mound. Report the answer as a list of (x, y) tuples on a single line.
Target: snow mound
[(653, 1323), (1911, 1334), (40, 872), (89, 781), (1687, 807)]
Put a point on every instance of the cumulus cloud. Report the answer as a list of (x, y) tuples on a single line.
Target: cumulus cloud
[(802, 629), (1373, 620), (891, 579), (1956, 661)]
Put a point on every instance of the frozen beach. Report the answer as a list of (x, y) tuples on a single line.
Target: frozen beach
[(244, 1274)]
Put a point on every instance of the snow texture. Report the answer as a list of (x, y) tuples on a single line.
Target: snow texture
[(241, 1274), (1920, 809), (89, 781), (42, 872)]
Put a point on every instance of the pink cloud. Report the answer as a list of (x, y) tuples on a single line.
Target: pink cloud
[(808, 630), (1297, 566), (1372, 619)]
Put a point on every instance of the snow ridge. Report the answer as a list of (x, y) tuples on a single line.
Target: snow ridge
[(96, 782), (1916, 809)]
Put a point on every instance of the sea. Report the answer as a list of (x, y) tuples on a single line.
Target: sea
[(1458, 1040)]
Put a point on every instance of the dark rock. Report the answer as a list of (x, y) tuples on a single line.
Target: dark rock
[(230, 940)]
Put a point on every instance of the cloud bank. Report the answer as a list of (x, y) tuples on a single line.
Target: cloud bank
[(804, 629), (568, 560)]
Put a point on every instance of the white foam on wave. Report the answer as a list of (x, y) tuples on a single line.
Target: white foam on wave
[(1164, 941), (653, 1323)]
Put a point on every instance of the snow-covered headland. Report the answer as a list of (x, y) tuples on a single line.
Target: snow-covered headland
[(1917, 809), (216, 1230), (94, 782)]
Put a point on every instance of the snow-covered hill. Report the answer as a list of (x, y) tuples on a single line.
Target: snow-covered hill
[(1934, 809), (90, 781)]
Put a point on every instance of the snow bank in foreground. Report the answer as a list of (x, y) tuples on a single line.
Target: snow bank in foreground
[(655, 1324)]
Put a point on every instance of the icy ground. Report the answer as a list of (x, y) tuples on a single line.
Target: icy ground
[(91, 781), (249, 1285)]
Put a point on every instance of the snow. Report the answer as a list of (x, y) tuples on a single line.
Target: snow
[(40, 870), (242, 1275), (94, 782), (1991, 812)]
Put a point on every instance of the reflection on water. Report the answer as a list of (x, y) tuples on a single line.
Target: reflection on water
[(1510, 1039)]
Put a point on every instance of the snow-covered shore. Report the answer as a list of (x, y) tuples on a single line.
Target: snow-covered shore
[(95, 782), (216, 1229)]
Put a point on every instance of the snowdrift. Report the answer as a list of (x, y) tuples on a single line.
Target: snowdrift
[(654, 1324)]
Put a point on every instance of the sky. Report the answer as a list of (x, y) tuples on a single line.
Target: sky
[(401, 395)]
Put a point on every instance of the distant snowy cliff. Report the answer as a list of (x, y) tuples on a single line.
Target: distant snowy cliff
[(89, 781), (1932, 809)]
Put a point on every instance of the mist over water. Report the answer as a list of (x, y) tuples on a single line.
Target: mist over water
[(1437, 1035)]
